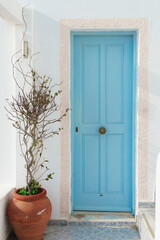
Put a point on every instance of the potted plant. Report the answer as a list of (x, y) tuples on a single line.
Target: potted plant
[(32, 114)]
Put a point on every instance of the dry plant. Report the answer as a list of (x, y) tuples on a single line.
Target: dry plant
[(31, 113)]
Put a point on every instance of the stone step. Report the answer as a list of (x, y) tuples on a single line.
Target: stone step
[(146, 224), (96, 219)]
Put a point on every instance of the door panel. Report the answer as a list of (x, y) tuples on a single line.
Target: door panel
[(114, 65), (114, 166), (90, 57), (90, 164), (103, 68)]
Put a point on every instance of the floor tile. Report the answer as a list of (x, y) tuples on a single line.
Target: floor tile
[(88, 233)]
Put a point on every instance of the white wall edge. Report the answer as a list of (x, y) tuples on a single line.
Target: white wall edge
[(11, 10), (5, 189), (157, 220), (5, 226)]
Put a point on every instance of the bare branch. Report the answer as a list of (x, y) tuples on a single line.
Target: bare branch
[(33, 112)]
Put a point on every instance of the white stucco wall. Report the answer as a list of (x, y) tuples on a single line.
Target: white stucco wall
[(45, 40), (7, 133), (157, 213), (7, 89), (5, 197)]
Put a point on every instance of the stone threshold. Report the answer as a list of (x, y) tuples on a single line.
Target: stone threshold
[(103, 219)]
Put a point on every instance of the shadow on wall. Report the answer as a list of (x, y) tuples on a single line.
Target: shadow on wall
[(154, 130), (5, 226), (46, 41)]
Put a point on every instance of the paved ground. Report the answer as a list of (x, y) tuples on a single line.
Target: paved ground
[(88, 233), (92, 226)]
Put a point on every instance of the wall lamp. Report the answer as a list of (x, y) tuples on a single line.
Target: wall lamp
[(25, 49)]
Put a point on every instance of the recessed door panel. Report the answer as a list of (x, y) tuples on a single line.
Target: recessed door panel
[(114, 164), (90, 164), (90, 57), (114, 69)]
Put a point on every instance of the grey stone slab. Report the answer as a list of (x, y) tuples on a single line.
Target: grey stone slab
[(146, 204), (58, 222)]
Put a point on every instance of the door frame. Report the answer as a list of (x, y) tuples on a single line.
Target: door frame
[(141, 27), (134, 104)]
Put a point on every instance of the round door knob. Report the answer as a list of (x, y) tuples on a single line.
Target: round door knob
[(102, 130)]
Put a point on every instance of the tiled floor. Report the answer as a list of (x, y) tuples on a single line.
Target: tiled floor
[(88, 233), (92, 226)]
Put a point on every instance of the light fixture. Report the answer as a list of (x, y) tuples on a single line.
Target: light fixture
[(25, 49)]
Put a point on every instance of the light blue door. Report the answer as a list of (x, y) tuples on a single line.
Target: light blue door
[(103, 69)]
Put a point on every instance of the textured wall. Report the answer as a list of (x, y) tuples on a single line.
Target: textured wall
[(7, 89), (5, 197), (7, 133), (46, 32)]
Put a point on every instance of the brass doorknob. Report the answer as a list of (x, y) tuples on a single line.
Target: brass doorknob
[(102, 130)]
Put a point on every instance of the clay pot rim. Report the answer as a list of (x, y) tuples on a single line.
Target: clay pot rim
[(28, 198)]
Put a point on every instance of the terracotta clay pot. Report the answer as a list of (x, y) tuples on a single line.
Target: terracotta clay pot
[(29, 215)]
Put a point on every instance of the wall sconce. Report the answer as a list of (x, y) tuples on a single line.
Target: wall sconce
[(25, 49)]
